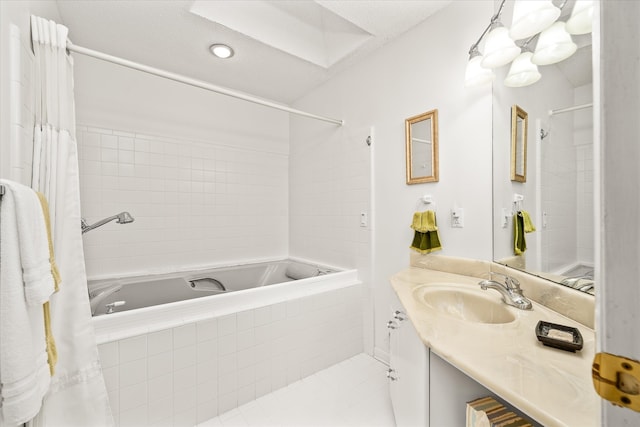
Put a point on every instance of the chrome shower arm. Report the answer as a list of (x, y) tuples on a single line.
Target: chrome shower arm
[(122, 218)]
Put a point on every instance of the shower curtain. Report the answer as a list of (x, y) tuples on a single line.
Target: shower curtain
[(78, 395)]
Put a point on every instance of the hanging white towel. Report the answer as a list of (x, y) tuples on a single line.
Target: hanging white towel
[(34, 244), (24, 372)]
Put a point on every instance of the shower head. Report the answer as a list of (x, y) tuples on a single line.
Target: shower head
[(125, 218), (121, 218)]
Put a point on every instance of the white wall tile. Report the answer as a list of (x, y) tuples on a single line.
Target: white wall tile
[(160, 342), (109, 354), (184, 357), (184, 379), (160, 388), (160, 364), (133, 372), (227, 325), (133, 396), (184, 335), (161, 409), (133, 348), (135, 417)]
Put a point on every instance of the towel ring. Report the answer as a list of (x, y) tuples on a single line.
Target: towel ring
[(426, 200)]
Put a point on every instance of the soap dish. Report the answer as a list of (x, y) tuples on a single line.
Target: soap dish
[(559, 336)]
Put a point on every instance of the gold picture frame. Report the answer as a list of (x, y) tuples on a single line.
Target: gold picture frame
[(519, 131), (421, 146)]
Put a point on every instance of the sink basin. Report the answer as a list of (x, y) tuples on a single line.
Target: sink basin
[(464, 302)]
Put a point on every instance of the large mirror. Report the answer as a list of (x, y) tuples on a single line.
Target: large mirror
[(558, 190), (421, 133)]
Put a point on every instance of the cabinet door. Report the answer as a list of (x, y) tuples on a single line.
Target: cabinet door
[(409, 375)]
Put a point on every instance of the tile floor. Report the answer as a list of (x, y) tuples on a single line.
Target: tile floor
[(353, 393)]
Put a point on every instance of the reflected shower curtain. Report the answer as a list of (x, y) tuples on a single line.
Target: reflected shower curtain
[(78, 395)]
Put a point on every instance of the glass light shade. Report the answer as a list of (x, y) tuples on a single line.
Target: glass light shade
[(499, 49), (522, 72), (581, 20), (532, 16), (476, 74), (554, 45)]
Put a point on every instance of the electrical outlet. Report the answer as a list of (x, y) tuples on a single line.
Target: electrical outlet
[(363, 219), (457, 218)]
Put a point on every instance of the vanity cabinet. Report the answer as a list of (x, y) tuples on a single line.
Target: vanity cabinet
[(425, 389), (408, 373)]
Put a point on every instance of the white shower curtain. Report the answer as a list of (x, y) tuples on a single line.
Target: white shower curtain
[(78, 395)]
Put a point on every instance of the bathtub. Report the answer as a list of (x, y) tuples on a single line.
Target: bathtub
[(233, 334), (129, 306)]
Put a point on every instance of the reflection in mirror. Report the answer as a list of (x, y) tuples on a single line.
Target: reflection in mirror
[(559, 188), (422, 147), (519, 129)]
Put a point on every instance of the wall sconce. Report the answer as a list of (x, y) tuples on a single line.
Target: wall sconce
[(476, 74), (554, 45), (581, 20), (532, 19)]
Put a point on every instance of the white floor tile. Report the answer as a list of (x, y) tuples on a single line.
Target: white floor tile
[(349, 394)]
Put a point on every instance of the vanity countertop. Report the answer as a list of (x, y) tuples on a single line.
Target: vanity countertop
[(552, 386)]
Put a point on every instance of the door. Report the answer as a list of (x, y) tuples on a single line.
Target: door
[(617, 139)]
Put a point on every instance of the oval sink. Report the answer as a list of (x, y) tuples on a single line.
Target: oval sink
[(465, 303)]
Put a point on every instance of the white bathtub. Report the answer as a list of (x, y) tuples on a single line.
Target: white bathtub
[(144, 304)]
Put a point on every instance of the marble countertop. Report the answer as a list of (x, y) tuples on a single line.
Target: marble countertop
[(552, 386)]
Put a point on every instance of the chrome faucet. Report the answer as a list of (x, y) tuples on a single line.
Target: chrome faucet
[(510, 291), (121, 218), (98, 293)]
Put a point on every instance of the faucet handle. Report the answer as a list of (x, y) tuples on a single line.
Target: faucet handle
[(510, 282)]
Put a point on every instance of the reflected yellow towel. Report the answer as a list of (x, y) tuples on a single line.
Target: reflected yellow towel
[(521, 224), (528, 225), (52, 352), (425, 239)]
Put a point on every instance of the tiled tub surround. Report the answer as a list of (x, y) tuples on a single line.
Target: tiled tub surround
[(188, 373), (552, 386), (193, 201)]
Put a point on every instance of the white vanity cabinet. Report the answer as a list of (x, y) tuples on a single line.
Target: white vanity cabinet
[(425, 389), (408, 373)]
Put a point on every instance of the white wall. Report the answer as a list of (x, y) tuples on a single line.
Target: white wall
[(16, 97), (204, 175), (419, 71)]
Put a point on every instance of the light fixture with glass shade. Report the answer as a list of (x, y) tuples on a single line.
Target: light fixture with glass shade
[(581, 20), (554, 45), (531, 19), (522, 72), (532, 16), (499, 48), (476, 74)]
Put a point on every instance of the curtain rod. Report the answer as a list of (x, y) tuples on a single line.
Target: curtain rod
[(568, 109), (196, 83)]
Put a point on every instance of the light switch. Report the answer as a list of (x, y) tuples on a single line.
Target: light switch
[(363, 219), (457, 218)]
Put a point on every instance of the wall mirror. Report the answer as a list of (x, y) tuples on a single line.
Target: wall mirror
[(558, 192), (421, 134), (518, 144)]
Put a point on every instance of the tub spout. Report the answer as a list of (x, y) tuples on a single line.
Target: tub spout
[(97, 295)]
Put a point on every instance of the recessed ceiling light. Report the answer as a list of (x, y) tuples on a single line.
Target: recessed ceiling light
[(221, 50)]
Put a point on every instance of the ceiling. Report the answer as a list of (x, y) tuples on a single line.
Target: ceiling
[(283, 49)]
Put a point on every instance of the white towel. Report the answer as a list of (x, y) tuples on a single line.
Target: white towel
[(34, 244), (24, 372)]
